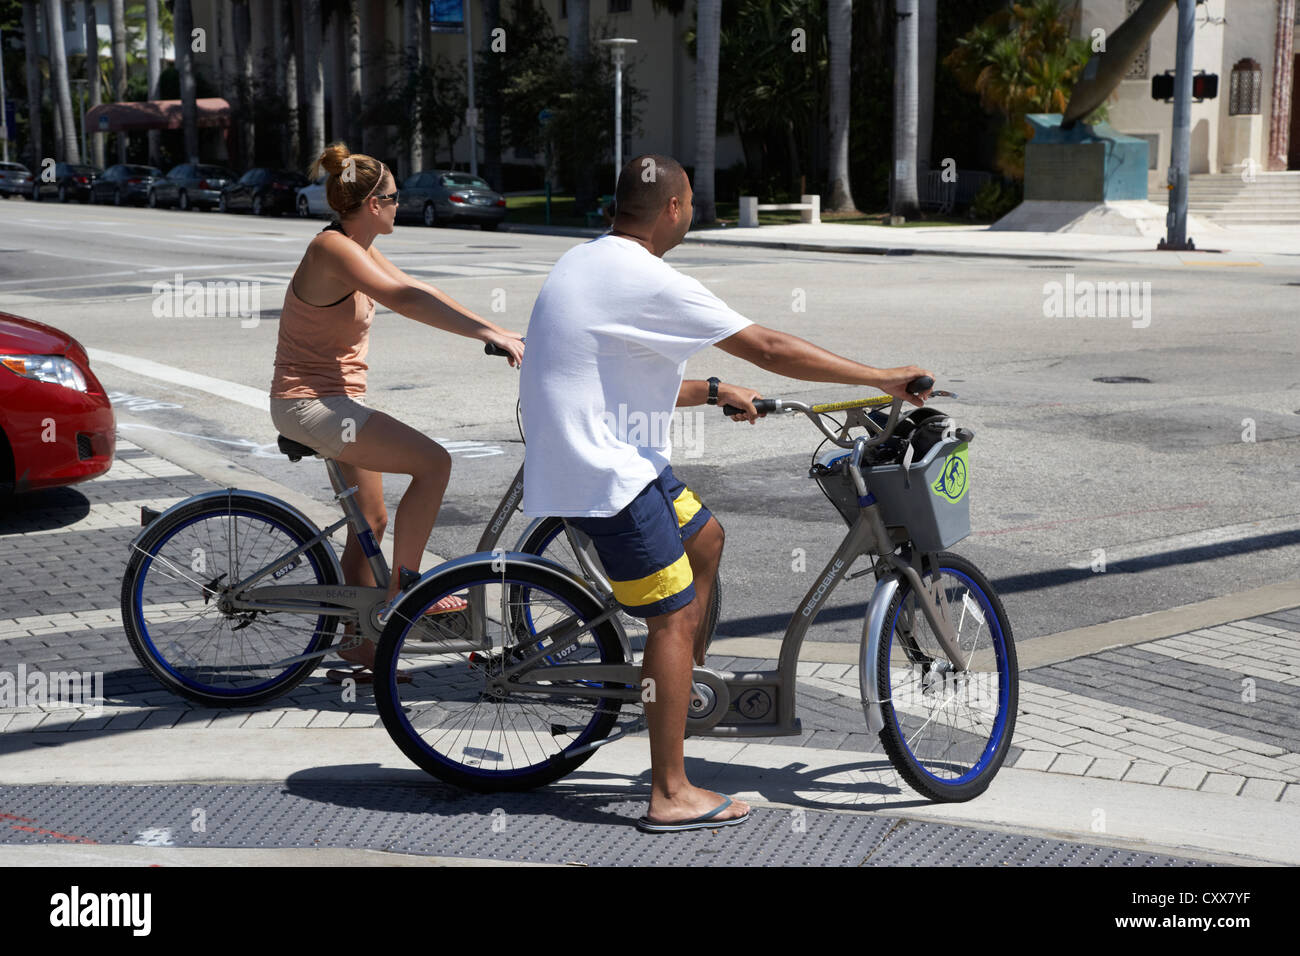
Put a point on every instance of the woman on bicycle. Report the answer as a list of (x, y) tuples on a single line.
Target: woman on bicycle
[(318, 392)]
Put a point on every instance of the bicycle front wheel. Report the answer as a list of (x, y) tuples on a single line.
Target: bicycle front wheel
[(185, 562), (461, 718), (947, 731)]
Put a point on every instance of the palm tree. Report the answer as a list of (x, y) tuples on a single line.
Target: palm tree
[(314, 79), (59, 73), (117, 26), (926, 61), (584, 187), (32, 53), (414, 50), (708, 25), (906, 204), (491, 99), (287, 79), (152, 46), (95, 141), (243, 38), (182, 26), (352, 38), (840, 32)]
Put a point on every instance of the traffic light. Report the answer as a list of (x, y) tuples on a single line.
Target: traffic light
[(1205, 86)]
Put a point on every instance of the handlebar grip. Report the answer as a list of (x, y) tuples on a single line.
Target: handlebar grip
[(490, 349), (919, 384), (764, 406)]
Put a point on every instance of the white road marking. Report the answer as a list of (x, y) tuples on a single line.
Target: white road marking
[(232, 391)]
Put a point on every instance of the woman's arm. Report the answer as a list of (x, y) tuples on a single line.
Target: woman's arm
[(385, 283)]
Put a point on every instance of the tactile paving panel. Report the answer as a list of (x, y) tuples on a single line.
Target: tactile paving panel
[(539, 827)]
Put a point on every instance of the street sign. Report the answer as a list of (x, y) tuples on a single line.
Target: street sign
[(1162, 86), (471, 118), (103, 123)]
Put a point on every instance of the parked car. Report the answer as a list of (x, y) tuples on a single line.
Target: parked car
[(263, 191), (15, 180), (191, 186), (124, 183), (436, 197), (312, 201), (44, 375), (70, 182)]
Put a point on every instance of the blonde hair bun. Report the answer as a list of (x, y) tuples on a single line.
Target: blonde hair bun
[(333, 160)]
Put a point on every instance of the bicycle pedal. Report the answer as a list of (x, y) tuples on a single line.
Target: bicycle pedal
[(407, 578)]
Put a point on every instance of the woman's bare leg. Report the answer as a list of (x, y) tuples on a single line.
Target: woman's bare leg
[(385, 444)]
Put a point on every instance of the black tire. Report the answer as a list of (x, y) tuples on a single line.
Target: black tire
[(259, 206), (430, 214), (153, 199), (63, 194), (184, 677), (222, 205), (551, 530), (436, 683), (899, 741), (35, 194), (183, 201), (118, 199)]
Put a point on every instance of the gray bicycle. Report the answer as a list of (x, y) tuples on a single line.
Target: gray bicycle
[(534, 695), (233, 597)]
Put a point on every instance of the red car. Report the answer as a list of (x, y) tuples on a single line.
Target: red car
[(56, 423)]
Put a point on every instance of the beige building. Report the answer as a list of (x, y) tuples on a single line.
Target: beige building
[(1252, 46)]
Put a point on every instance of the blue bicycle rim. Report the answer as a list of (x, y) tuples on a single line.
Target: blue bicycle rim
[(1004, 676), (148, 638)]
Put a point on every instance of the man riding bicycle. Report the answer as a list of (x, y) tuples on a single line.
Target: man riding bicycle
[(608, 341)]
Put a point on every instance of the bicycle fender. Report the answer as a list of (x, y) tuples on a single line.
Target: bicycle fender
[(868, 655), (226, 493)]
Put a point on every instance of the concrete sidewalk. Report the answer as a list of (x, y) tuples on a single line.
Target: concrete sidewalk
[(1217, 246), (1164, 738)]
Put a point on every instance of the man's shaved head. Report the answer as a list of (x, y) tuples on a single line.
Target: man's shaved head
[(646, 185)]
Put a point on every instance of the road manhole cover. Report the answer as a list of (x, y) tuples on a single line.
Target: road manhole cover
[(1123, 380)]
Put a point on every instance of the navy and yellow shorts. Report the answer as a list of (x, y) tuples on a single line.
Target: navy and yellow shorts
[(641, 546)]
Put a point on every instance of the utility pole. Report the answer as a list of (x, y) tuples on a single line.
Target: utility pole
[(1181, 146)]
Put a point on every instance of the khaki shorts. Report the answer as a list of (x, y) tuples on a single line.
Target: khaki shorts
[(328, 424)]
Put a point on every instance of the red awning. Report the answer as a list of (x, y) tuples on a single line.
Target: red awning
[(154, 114)]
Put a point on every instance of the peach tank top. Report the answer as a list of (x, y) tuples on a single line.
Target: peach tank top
[(322, 349)]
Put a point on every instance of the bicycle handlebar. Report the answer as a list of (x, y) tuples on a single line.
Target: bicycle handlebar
[(766, 406), (490, 349)]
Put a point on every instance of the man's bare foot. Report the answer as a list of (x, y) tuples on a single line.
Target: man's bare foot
[(689, 803)]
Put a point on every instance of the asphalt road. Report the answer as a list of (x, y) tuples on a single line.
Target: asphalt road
[(1154, 476)]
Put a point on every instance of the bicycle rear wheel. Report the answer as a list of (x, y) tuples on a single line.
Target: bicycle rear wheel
[(947, 732), (458, 719), (184, 561)]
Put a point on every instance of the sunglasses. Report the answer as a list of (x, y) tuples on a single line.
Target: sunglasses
[(391, 197)]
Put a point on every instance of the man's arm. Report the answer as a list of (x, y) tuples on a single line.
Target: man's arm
[(695, 391), (794, 357)]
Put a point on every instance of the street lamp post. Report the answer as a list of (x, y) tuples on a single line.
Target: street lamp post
[(618, 49)]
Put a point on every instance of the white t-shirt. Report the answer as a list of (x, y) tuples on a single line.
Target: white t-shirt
[(607, 347)]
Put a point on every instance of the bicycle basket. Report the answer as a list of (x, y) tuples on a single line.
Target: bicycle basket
[(928, 497)]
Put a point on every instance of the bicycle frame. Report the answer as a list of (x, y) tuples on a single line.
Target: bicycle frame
[(760, 704)]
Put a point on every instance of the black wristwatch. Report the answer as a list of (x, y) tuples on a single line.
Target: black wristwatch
[(713, 389)]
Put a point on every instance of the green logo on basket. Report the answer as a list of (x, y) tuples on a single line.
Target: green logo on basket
[(952, 481)]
